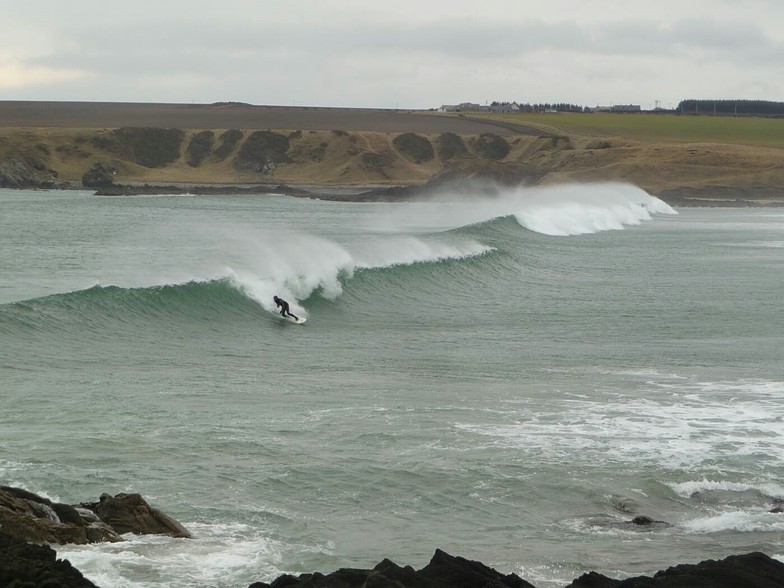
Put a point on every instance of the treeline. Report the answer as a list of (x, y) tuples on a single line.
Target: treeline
[(559, 107), (732, 107)]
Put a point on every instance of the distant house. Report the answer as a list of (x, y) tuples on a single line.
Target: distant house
[(512, 107), (617, 108), (626, 108), (464, 107)]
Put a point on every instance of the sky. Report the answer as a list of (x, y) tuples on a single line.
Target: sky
[(392, 54)]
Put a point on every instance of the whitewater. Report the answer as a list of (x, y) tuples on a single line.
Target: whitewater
[(510, 375)]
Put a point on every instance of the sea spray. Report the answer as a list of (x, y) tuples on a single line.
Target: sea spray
[(563, 210), (409, 250)]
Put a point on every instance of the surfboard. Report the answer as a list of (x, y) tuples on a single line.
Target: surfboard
[(296, 321)]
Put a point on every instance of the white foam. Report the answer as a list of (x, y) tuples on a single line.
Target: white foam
[(409, 250), (687, 489), (741, 521), (674, 424), (218, 555), (307, 264), (564, 210), (761, 244), (578, 210), (294, 271)]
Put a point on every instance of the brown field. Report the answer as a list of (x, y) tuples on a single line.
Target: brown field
[(110, 115)]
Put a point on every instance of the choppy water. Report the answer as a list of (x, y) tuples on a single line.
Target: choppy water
[(510, 380)]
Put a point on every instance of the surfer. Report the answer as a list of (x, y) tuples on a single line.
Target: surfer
[(284, 307)]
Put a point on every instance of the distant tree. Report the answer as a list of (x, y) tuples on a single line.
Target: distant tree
[(731, 107)]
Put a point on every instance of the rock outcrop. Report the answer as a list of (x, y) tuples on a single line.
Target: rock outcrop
[(100, 175), (27, 172), (31, 517), (130, 513), (23, 564), (443, 571), (753, 570)]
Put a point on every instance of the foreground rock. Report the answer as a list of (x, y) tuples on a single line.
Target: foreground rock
[(23, 564), (27, 516), (753, 570), (443, 571)]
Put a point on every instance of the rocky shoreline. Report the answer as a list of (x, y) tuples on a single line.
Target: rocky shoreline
[(29, 522), (17, 176), (684, 197)]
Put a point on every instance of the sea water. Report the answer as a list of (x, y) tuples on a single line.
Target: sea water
[(511, 379)]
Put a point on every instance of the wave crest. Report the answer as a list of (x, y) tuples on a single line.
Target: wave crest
[(563, 210)]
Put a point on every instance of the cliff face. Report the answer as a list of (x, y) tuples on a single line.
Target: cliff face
[(234, 156), (59, 157)]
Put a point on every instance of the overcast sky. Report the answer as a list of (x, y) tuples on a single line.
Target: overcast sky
[(393, 53)]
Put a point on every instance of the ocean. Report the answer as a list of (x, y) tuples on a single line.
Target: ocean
[(511, 379)]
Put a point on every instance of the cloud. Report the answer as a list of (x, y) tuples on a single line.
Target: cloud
[(420, 54), (15, 74), (235, 47)]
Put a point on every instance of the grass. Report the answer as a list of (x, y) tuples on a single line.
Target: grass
[(754, 131)]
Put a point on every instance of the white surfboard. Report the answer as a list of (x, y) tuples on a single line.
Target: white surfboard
[(296, 321)]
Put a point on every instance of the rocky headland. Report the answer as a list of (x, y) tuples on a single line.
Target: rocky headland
[(312, 152)]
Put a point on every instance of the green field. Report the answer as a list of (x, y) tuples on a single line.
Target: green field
[(759, 132)]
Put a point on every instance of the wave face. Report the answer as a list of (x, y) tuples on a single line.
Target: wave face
[(298, 265)]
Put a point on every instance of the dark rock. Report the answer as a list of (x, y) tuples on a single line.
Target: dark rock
[(128, 190), (130, 513), (23, 564), (594, 580), (644, 521), (31, 517), (100, 175), (443, 571), (456, 572), (27, 516), (753, 570), (27, 172)]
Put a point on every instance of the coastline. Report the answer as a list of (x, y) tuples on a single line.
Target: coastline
[(683, 197), (353, 154)]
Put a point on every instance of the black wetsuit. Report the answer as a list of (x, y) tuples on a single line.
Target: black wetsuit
[(284, 308)]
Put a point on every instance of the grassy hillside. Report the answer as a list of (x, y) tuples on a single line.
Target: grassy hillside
[(702, 157), (751, 131)]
